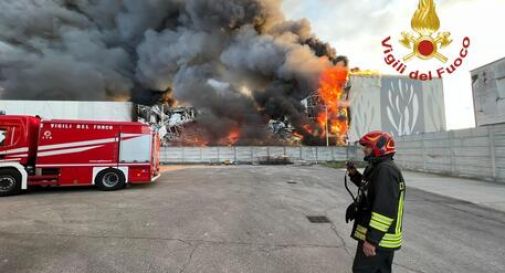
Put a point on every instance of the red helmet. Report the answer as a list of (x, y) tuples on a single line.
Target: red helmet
[(381, 142)]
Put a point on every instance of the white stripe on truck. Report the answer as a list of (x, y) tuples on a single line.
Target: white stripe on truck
[(78, 144), (67, 151), (14, 151)]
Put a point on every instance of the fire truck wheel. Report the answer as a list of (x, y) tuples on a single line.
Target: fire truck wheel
[(110, 180), (10, 182)]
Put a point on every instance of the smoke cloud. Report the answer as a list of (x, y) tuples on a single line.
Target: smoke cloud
[(240, 62)]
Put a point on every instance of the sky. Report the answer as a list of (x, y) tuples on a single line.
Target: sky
[(356, 29)]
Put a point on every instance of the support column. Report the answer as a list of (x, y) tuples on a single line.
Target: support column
[(492, 151)]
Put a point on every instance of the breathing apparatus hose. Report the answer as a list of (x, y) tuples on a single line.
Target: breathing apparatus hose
[(346, 183)]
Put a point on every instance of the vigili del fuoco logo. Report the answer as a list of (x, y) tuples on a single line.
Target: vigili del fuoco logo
[(426, 43)]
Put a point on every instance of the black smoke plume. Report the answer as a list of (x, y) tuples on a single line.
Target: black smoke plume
[(240, 62)]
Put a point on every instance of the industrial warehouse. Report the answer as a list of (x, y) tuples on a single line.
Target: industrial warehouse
[(264, 136)]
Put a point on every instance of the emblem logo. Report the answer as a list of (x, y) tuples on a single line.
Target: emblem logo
[(427, 40), (47, 135)]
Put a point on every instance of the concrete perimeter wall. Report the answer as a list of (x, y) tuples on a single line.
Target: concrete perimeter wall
[(179, 155), (475, 153)]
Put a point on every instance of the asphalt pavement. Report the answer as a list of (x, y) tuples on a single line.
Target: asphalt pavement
[(234, 219)]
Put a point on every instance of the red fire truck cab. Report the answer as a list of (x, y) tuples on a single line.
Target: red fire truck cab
[(108, 155)]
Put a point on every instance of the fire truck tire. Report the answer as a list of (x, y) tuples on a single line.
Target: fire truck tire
[(10, 182), (110, 180)]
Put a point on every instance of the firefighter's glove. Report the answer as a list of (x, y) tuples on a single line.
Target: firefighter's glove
[(351, 212), (350, 165), (351, 168)]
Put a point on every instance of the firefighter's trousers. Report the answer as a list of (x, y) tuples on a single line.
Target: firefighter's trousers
[(380, 263)]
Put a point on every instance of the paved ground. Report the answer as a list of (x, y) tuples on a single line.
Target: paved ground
[(486, 194), (235, 219)]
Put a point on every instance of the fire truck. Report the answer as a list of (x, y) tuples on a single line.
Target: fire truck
[(108, 155)]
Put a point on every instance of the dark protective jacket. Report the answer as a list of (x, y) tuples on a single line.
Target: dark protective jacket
[(380, 205)]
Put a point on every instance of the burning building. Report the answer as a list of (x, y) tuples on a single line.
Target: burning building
[(328, 106), (325, 119), (239, 63)]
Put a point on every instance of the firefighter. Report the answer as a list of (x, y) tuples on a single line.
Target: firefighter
[(378, 210)]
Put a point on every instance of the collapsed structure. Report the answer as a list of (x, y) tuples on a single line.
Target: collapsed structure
[(325, 119)]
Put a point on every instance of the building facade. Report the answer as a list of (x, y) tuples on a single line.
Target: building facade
[(488, 85)]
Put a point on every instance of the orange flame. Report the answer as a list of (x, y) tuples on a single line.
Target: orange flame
[(233, 137), (308, 128), (335, 114), (298, 135)]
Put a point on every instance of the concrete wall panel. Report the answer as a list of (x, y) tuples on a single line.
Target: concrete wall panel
[(477, 153)]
